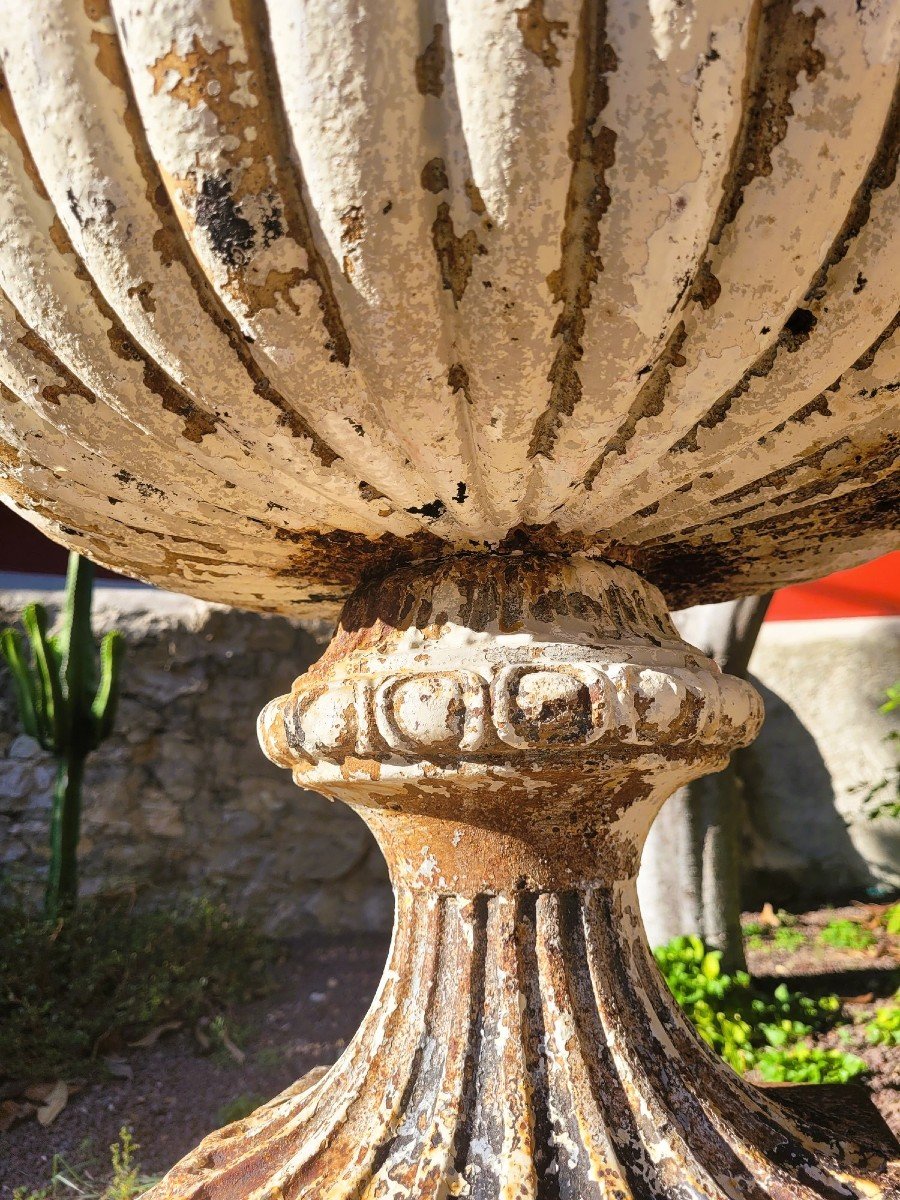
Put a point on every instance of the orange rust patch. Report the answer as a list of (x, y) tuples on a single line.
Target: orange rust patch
[(476, 203), (368, 767), (353, 224), (538, 32), (240, 209), (69, 385)]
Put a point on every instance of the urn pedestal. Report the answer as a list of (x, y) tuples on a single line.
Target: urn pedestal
[(493, 316), (508, 727)]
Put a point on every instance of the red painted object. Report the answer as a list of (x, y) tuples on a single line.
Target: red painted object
[(872, 590)]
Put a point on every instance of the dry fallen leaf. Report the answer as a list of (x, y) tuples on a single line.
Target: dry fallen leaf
[(56, 1101), (235, 1051), (11, 1111), (151, 1038)]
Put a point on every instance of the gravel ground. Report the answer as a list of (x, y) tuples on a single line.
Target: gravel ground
[(173, 1093)]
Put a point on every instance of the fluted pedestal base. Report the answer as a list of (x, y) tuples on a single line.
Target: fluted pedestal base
[(525, 1046), (508, 728)]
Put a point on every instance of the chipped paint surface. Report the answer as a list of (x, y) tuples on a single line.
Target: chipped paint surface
[(508, 728), (505, 320), (341, 288)]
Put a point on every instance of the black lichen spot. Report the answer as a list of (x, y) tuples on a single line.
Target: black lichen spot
[(861, 282), (433, 511), (231, 235), (387, 208), (461, 493), (272, 223), (146, 490)]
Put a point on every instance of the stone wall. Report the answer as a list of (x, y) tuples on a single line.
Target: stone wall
[(181, 798)]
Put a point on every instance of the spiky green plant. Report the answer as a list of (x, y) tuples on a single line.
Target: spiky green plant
[(68, 704)]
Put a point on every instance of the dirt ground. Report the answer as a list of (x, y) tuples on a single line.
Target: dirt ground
[(172, 1093)]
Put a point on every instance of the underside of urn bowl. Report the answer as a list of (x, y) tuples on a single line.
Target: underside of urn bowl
[(291, 293)]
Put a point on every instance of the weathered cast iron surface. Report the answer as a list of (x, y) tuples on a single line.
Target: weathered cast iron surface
[(494, 316), (294, 291), (508, 729)]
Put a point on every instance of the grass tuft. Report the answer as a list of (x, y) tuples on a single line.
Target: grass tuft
[(119, 1179), (74, 991)]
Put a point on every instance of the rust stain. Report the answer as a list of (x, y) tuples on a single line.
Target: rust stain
[(847, 457), (648, 402), (69, 385), (353, 225), (430, 65), (881, 174), (592, 152), (169, 242), (144, 293), (252, 201), (458, 380), (434, 176), (784, 50), (476, 203), (538, 32), (707, 567), (455, 254)]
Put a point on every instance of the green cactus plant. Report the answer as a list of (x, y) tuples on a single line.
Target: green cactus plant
[(68, 705)]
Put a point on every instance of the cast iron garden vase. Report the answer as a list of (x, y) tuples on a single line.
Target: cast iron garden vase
[(497, 328)]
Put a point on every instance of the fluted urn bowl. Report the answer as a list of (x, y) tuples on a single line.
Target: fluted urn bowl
[(295, 292), (509, 323)]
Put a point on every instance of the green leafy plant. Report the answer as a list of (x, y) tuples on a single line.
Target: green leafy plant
[(783, 938), (809, 1064), (68, 705), (788, 939), (75, 992), (842, 934), (120, 1179), (890, 919), (740, 1019), (884, 1028)]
